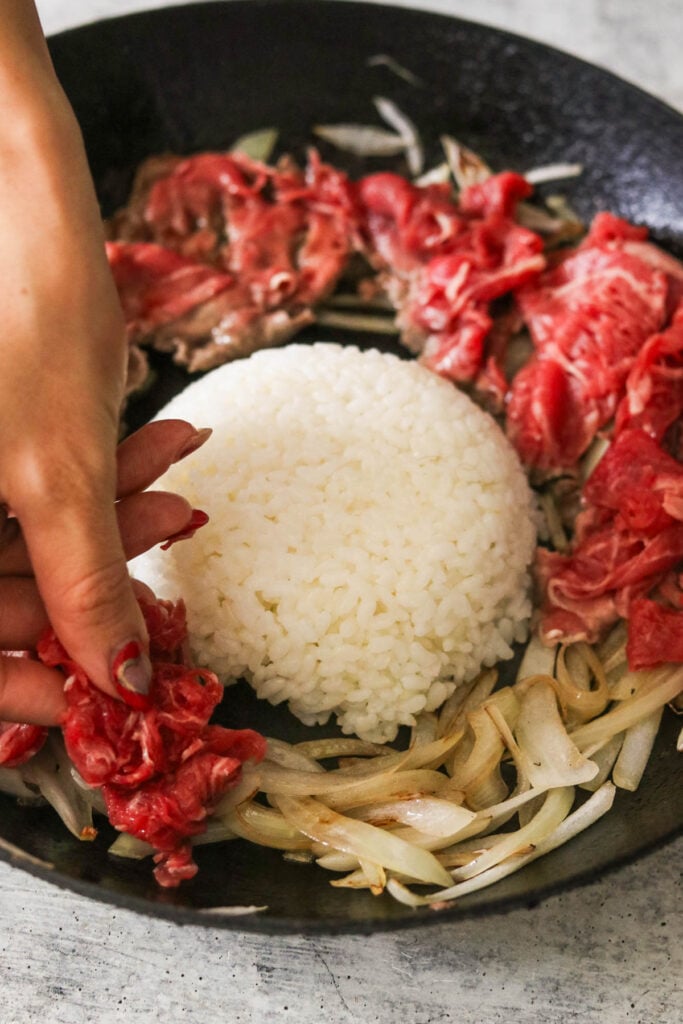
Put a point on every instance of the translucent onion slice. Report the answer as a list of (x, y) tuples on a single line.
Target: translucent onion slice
[(589, 462), (358, 879), (427, 755), (393, 65), (557, 225), (635, 751), (553, 172), (257, 145), (612, 650), (399, 121), (265, 826), (130, 847), (375, 875), (624, 684), (370, 876), (437, 175), (340, 746), (360, 839), (604, 757), (548, 756), (471, 768), (216, 832), (538, 659), (496, 815), (12, 783), (247, 788), (363, 322), (579, 820), (489, 789), (465, 698), (443, 847), (361, 139), (275, 779), (50, 771), (658, 687), (471, 847), (393, 786), (425, 729), (467, 167), (429, 814), (555, 808), (289, 756), (556, 531), (91, 794), (581, 683)]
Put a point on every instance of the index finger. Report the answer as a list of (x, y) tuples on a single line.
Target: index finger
[(83, 578)]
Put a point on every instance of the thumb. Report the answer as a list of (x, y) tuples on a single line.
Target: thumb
[(81, 571)]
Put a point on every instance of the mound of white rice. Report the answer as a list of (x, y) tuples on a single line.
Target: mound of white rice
[(370, 535)]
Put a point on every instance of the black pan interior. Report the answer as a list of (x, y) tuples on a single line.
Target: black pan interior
[(197, 77)]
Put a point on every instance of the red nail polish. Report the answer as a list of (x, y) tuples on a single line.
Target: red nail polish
[(194, 442), (196, 521), (131, 672)]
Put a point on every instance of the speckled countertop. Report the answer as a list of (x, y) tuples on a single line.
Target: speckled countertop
[(610, 953)]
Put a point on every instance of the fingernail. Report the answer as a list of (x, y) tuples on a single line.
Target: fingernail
[(194, 442), (131, 671), (195, 522)]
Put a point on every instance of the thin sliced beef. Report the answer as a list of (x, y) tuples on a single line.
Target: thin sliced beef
[(18, 743), (655, 634), (589, 316), (218, 255), (202, 316), (162, 770), (629, 536), (653, 399), (443, 263)]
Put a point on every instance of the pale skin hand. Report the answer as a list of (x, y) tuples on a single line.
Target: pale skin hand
[(63, 357), (33, 693)]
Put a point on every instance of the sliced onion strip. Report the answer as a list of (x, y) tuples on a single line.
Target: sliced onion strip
[(660, 687), (555, 808), (635, 751), (360, 839), (264, 826), (549, 756), (429, 814), (579, 820)]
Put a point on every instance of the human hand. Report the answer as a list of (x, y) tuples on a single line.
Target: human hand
[(30, 692), (63, 354)]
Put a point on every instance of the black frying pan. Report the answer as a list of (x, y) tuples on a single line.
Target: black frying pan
[(192, 78)]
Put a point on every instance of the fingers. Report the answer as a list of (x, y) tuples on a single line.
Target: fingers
[(30, 692), (66, 511), (22, 614), (144, 520), (148, 519), (83, 577), (146, 454)]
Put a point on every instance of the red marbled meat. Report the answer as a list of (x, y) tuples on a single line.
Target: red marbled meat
[(589, 317), (628, 537), (18, 743), (442, 263), (161, 770), (248, 250)]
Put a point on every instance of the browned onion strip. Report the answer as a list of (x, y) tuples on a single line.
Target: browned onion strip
[(660, 686)]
